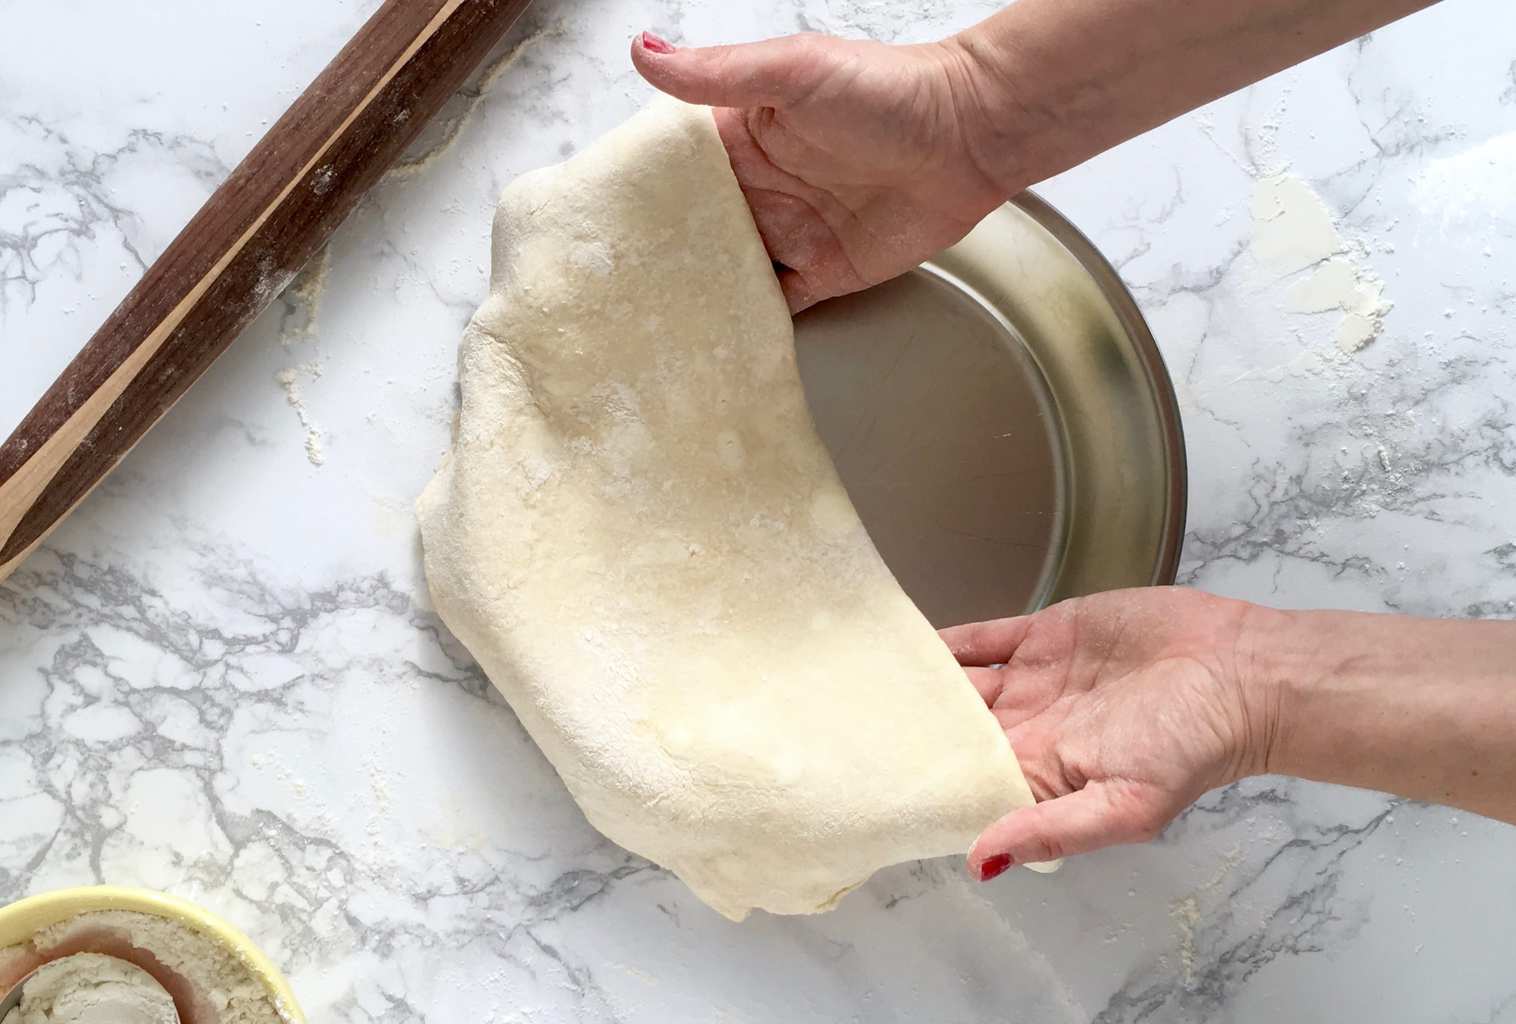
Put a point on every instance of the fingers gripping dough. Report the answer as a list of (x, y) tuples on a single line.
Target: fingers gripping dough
[(642, 540)]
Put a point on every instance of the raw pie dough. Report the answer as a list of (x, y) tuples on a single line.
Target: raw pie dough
[(642, 540)]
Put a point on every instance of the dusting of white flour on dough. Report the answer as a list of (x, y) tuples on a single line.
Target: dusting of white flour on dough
[(1296, 237)]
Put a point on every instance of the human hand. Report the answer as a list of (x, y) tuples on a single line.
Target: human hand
[(1122, 708), (856, 157)]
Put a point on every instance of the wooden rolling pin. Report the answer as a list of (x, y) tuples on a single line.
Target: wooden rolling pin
[(238, 252)]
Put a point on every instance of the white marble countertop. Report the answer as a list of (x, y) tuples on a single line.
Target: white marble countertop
[(221, 677)]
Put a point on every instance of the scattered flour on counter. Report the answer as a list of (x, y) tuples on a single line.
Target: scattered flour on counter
[(1470, 188), (299, 322), (1293, 229), (449, 128), (305, 293), (1045, 994), (289, 380), (1186, 913), (1295, 236)]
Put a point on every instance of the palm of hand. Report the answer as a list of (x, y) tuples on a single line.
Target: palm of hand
[(864, 175), (1122, 709), (852, 154)]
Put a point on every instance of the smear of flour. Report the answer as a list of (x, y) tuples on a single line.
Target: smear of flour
[(289, 380), (1046, 995), (1471, 187), (1295, 236), (300, 322), (1186, 913), (302, 301), (450, 127)]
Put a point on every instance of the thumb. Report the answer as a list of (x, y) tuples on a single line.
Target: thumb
[(1099, 815), (767, 74)]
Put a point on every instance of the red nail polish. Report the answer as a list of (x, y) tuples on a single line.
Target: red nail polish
[(657, 44), (992, 867)]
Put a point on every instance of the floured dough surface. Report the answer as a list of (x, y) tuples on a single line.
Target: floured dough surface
[(644, 543)]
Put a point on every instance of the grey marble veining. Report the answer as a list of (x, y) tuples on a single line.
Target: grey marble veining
[(222, 677)]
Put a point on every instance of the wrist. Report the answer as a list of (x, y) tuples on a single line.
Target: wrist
[(1418, 707), (1263, 686), (1038, 96), (1320, 683), (987, 108)]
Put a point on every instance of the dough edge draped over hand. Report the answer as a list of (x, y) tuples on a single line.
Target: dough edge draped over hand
[(642, 540)]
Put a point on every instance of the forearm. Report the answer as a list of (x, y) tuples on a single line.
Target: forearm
[(1051, 83), (1421, 708)]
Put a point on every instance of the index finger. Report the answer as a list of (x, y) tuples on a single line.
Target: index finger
[(986, 643)]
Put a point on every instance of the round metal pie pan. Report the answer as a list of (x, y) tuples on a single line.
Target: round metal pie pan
[(1003, 421)]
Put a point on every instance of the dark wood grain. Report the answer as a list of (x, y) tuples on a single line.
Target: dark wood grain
[(272, 213)]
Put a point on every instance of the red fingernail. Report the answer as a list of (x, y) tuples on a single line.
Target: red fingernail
[(992, 867), (657, 44)]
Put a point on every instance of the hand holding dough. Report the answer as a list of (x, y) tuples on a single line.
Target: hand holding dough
[(644, 543)]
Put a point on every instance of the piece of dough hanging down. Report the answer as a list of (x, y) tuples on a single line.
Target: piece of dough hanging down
[(642, 540)]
